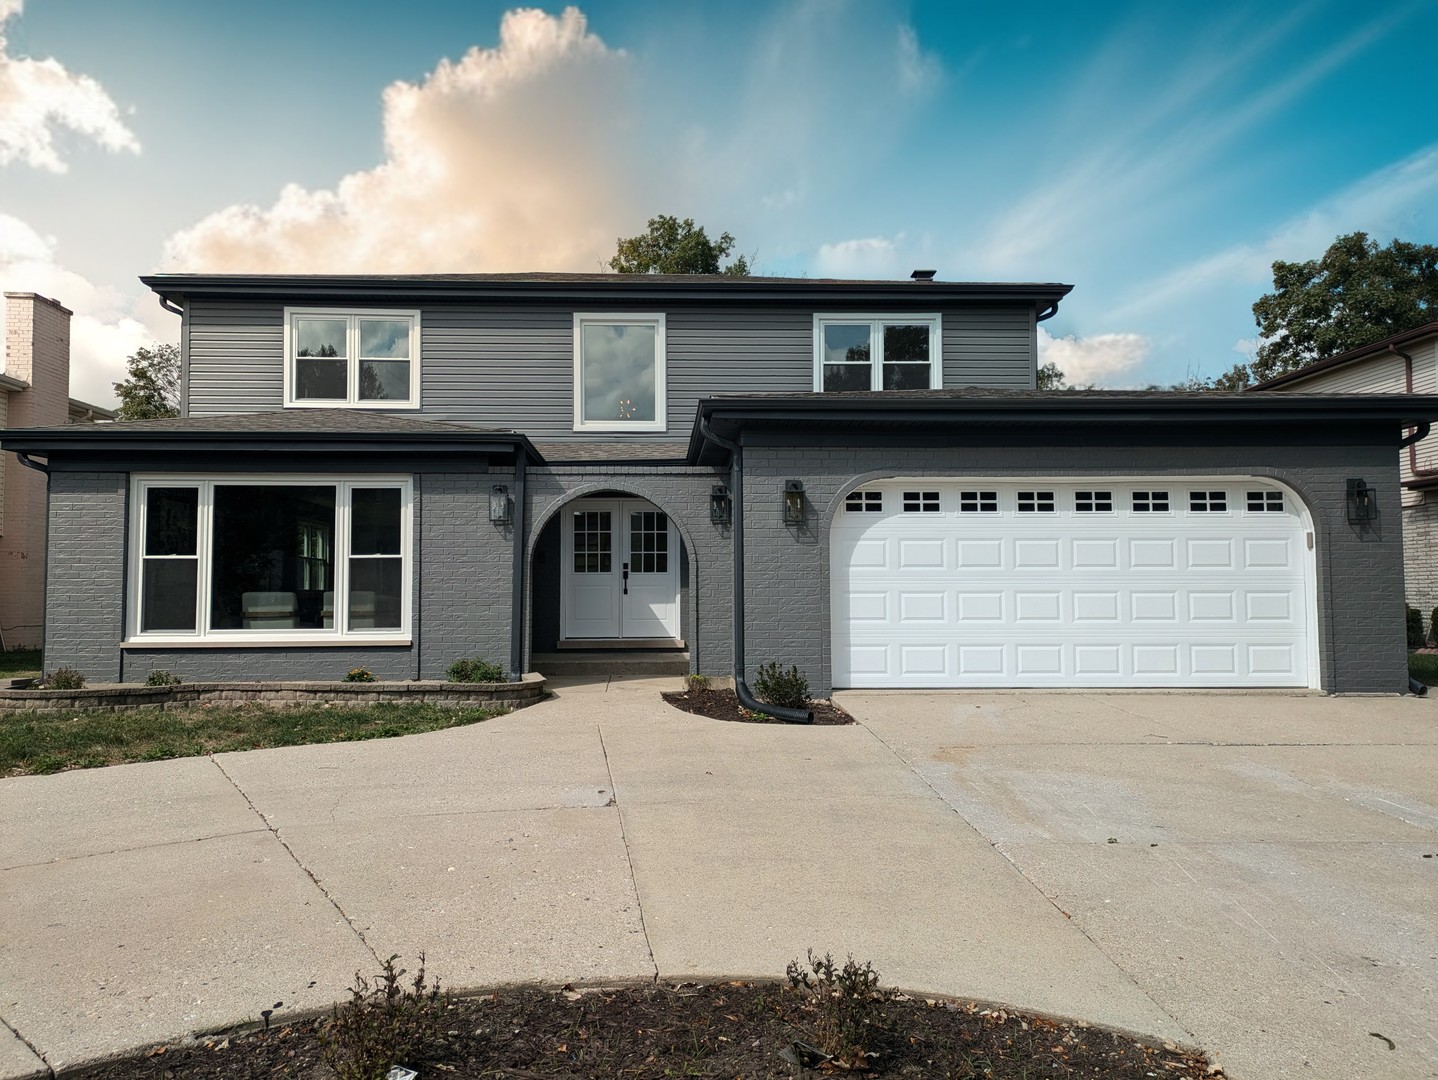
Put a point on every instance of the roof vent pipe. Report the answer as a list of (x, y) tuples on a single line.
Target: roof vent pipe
[(923, 275)]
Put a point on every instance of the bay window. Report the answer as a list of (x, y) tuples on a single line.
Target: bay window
[(351, 359), (303, 560), (873, 352)]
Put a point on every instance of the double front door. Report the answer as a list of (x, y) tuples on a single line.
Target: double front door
[(620, 571)]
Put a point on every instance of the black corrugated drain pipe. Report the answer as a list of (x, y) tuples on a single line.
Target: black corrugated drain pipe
[(736, 493)]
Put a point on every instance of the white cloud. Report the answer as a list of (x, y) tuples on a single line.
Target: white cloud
[(107, 326), (919, 71), (38, 96), (515, 157), (1095, 360), (865, 257)]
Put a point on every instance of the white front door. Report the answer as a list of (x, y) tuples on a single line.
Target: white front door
[(620, 571)]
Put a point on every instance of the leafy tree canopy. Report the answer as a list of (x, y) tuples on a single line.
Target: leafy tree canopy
[(1051, 378), (152, 391), (672, 246), (1355, 294)]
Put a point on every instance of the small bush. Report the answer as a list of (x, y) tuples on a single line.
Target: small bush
[(697, 684), (1415, 628), (787, 689), (162, 678), (360, 674), (842, 1001), (1433, 625), (65, 678), (383, 1024), (475, 670)]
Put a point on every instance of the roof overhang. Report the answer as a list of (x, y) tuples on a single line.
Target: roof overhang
[(1016, 416), (596, 288)]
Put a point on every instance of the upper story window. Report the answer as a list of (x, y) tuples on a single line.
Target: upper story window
[(351, 359), (877, 352), (619, 373)]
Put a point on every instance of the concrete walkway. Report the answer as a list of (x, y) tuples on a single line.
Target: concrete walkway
[(1243, 872)]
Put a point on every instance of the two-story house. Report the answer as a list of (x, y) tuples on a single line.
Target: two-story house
[(856, 477)]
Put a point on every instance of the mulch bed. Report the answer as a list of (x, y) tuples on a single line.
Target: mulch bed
[(724, 705), (731, 1030)]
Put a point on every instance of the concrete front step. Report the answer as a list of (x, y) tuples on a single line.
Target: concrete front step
[(612, 662)]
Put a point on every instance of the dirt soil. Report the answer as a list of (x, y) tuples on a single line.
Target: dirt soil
[(731, 1030), (724, 705)]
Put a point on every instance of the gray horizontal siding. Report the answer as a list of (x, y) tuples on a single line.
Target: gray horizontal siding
[(513, 367), (236, 361)]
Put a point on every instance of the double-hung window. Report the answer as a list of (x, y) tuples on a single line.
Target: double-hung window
[(877, 352), (619, 372), (270, 559), (344, 358)]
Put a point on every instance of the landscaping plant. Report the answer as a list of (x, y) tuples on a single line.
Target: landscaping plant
[(1415, 628), (162, 678), (696, 684), (65, 678), (843, 1002), (788, 689), (475, 670), (384, 1023), (360, 674)]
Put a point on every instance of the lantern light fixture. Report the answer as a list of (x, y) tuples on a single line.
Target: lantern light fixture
[(499, 505), (793, 502)]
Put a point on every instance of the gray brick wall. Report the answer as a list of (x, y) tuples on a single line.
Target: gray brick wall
[(683, 494), (85, 573), (1360, 591)]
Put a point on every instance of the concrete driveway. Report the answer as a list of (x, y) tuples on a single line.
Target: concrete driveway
[(1243, 872)]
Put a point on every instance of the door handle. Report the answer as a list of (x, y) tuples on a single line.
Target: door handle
[(626, 578)]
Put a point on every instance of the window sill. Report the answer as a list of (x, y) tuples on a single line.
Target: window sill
[(261, 642), (334, 404)]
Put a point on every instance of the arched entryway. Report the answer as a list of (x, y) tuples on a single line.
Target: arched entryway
[(609, 570)]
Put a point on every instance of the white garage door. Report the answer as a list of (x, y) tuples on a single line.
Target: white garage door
[(985, 583)]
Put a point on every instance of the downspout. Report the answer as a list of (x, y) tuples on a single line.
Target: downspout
[(516, 618), (736, 492), (1419, 433), (1047, 313), (171, 308), (31, 463)]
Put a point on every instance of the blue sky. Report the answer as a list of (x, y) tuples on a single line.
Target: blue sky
[(1156, 156)]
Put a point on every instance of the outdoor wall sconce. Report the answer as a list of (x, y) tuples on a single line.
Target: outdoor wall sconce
[(499, 505), (721, 506), (1362, 502), (793, 502)]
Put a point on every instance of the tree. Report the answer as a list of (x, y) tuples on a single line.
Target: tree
[(152, 391), (672, 246), (1051, 378), (1355, 294)]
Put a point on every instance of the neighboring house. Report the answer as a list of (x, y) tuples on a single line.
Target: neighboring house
[(1404, 363), (34, 392), (397, 471)]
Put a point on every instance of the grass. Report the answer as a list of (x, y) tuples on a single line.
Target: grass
[(1424, 667), (47, 742), (19, 663)]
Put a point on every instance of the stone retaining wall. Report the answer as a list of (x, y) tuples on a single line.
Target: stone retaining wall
[(188, 695)]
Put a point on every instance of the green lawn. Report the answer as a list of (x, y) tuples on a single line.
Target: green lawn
[(1424, 667), (46, 742), (18, 663)]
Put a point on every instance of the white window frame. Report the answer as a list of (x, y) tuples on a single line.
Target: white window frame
[(352, 398), (876, 337), (202, 635), (622, 318)]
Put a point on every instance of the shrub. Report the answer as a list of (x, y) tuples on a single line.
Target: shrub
[(697, 684), (842, 1002), (1433, 625), (359, 674), (65, 678), (162, 678), (384, 1023), (475, 670), (1415, 628), (787, 689)]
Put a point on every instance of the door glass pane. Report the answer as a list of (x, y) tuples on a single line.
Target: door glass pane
[(170, 515), (169, 594), (648, 542), (592, 545), (273, 565), (375, 591), (375, 521), (620, 367)]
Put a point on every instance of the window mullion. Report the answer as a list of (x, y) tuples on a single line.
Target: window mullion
[(343, 554), (203, 533), (876, 356)]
